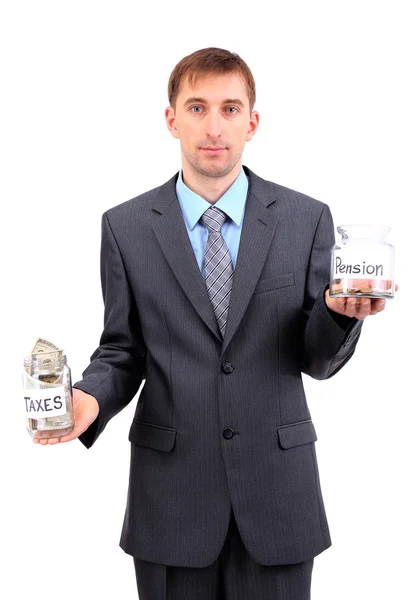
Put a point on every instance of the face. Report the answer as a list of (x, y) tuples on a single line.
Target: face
[(212, 120)]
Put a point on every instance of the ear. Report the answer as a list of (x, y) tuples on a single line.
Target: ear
[(253, 125), (170, 118)]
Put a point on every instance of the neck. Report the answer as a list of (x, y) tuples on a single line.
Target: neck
[(209, 188)]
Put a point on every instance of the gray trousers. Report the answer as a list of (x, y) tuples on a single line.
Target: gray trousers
[(233, 576)]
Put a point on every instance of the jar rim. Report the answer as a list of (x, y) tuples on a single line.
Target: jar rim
[(382, 230), (374, 225)]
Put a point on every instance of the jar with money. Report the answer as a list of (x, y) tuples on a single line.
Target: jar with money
[(47, 394), (362, 263)]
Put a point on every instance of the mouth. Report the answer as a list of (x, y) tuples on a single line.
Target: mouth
[(214, 151)]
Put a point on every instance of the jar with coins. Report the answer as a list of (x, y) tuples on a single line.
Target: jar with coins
[(47, 395), (362, 263)]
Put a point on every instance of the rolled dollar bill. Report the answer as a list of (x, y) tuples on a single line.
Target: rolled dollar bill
[(48, 355)]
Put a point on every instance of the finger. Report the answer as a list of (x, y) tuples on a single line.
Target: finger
[(45, 441), (338, 305), (386, 284), (71, 436), (53, 441), (363, 310), (50, 441), (68, 438), (341, 304), (351, 307), (377, 306), (360, 283)]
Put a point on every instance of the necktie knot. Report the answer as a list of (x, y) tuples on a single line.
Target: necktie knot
[(213, 218)]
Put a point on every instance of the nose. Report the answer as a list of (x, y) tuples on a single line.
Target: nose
[(213, 124)]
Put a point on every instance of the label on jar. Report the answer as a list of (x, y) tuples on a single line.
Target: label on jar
[(355, 264), (49, 402)]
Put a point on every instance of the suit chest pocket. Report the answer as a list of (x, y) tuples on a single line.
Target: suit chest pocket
[(274, 283)]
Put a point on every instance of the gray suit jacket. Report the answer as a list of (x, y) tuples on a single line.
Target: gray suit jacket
[(218, 421)]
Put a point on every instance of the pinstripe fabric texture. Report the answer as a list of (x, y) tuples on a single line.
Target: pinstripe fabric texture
[(220, 421), (218, 266), (233, 576)]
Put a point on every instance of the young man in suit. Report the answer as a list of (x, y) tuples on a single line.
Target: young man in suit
[(215, 287)]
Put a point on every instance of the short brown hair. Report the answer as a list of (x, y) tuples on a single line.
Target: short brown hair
[(209, 61)]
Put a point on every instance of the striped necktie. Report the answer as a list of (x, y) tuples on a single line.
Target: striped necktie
[(218, 266)]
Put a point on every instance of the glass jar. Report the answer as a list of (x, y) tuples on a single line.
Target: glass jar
[(362, 263), (48, 395)]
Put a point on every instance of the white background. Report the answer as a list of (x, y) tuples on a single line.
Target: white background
[(82, 129)]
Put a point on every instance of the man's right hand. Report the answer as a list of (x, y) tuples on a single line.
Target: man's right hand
[(86, 409)]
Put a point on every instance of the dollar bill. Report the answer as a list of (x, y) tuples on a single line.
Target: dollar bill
[(48, 356), (42, 345), (46, 352)]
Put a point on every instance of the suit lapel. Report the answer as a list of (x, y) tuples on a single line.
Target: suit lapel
[(257, 232), (170, 230)]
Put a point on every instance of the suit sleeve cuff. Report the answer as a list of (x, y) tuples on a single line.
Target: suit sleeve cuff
[(350, 325)]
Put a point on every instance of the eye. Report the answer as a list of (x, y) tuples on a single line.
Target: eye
[(229, 108)]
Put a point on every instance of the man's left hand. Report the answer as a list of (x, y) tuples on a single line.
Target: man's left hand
[(360, 308)]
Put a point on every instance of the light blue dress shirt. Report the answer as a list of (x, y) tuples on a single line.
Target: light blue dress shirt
[(232, 203)]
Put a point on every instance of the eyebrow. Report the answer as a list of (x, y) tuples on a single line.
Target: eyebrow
[(203, 101)]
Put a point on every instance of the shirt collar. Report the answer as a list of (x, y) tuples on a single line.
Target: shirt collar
[(232, 202)]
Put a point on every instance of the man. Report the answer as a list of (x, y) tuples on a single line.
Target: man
[(215, 287)]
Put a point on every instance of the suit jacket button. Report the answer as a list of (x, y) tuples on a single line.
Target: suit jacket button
[(227, 368), (228, 433)]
